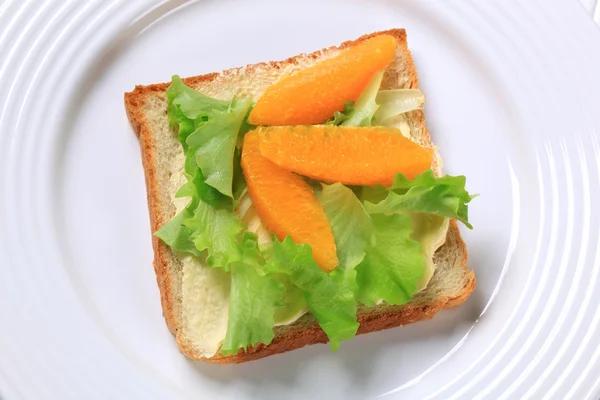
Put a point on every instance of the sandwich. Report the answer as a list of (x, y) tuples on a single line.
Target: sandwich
[(299, 202)]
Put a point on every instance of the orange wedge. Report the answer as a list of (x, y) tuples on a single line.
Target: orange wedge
[(351, 155), (287, 205), (312, 95)]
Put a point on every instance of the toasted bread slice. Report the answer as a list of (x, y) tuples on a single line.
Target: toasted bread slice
[(146, 108)]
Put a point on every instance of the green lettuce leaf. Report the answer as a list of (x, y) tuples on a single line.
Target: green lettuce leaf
[(388, 262), (239, 182), (176, 235), (210, 127), (350, 224), (329, 296), (395, 102), (193, 105), (339, 117), (215, 142), (208, 222), (246, 127), (393, 263), (293, 302), (378, 107), (444, 197), (254, 296), (365, 107), (216, 230)]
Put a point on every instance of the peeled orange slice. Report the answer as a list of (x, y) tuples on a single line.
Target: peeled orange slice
[(286, 204), (312, 95), (352, 155)]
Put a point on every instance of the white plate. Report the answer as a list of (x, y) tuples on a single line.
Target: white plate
[(513, 103)]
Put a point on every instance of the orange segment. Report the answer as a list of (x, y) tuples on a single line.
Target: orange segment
[(287, 205), (312, 95), (354, 156)]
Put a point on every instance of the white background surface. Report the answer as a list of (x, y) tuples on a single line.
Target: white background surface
[(593, 7), (512, 103)]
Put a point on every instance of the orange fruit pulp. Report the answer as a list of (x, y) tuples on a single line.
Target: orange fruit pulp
[(286, 204), (362, 156), (312, 95)]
